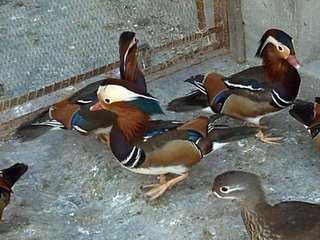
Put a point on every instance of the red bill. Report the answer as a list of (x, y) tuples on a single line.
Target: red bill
[(292, 59), (96, 107)]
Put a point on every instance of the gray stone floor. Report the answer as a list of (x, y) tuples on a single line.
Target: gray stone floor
[(75, 189)]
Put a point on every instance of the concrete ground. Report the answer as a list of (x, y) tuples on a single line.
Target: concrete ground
[(75, 188)]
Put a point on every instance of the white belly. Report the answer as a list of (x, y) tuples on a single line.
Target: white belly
[(256, 120), (176, 169)]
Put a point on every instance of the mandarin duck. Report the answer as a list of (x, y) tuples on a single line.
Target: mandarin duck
[(253, 93), (74, 113), (158, 148), (308, 114), (8, 177), (290, 220)]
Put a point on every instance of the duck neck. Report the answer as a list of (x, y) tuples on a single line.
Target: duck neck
[(253, 202), (283, 77), (253, 212), (132, 122), (276, 69)]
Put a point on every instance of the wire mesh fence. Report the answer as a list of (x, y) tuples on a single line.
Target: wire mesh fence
[(48, 45)]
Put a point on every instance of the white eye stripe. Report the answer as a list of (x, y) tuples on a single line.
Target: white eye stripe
[(236, 189), (276, 43), (230, 190), (118, 93)]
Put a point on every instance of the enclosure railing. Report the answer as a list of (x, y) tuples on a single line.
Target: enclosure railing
[(212, 33)]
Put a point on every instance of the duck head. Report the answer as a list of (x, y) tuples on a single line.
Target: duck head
[(132, 106), (238, 185), (8, 177), (277, 45), (113, 94)]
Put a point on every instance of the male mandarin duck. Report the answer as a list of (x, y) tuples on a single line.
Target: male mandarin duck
[(158, 147), (253, 93), (8, 177), (74, 113), (291, 220), (308, 114)]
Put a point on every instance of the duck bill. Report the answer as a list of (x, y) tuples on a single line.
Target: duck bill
[(292, 59), (96, 107)]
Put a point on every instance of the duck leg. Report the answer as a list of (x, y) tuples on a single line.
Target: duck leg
[(158, 189), (267, 138), (162, 180)]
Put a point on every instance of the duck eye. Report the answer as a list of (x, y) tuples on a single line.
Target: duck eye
[(224, 189), (107, 100), (280, 48)]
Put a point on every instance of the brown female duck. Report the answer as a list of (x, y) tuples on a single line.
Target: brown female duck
[(284, 221)]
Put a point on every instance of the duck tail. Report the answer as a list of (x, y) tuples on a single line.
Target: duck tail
[(220, 135), (37, 127), (195, 100), (225, 134), (197, 81)]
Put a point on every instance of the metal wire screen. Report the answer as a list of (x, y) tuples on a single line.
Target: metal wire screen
[(48, 45)]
